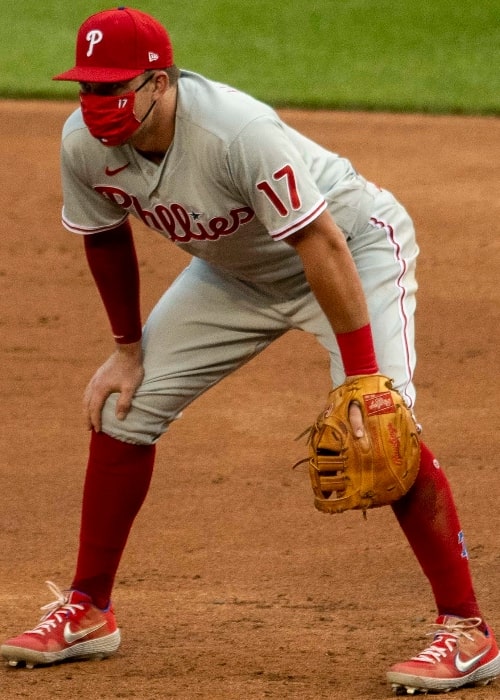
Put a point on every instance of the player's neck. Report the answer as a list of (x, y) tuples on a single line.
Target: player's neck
[(154, 156), (154, 139)]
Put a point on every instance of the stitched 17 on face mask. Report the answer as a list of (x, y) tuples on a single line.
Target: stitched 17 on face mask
[(111, 118)]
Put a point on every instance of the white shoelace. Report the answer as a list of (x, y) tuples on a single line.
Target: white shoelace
[(56, 611), (446, 638)]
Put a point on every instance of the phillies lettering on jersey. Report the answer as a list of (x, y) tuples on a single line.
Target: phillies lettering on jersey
[(176, 221)]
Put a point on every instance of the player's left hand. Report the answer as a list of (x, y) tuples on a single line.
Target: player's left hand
[(122, 373), (356, 420)]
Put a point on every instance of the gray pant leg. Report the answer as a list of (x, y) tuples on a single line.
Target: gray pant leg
[(204, 327)]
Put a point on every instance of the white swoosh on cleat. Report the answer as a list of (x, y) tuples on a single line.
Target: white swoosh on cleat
[(464, 666), (70, 637)]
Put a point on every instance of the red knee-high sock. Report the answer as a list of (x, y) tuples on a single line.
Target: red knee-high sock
[(428, 518), (116, 483)]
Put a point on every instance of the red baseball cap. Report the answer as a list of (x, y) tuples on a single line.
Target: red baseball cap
[(116, 45)]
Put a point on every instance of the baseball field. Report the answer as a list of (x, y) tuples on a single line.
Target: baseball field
[(233, 587)]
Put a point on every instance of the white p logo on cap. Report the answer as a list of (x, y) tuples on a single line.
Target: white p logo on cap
[(93, 37)]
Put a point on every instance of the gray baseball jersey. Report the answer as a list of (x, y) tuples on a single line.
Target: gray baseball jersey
[(235, 182)]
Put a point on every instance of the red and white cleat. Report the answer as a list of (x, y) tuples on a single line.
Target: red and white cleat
[(460, 655), (71, 628)]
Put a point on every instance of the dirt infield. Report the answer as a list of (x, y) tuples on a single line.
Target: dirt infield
[(233, 586)]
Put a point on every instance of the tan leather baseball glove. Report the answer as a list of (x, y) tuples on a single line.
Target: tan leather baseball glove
[(348, 472)]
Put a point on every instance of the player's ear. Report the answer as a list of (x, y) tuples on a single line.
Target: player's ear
[(161, 81)]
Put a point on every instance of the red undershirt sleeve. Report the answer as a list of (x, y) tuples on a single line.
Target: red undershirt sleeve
[(112, 260)]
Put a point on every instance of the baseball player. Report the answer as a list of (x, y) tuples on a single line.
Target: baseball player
[(283, 235)]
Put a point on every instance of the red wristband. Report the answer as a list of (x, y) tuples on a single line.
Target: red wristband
[(357, 351)]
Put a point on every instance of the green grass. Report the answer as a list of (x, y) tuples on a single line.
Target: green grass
[(399, 55)]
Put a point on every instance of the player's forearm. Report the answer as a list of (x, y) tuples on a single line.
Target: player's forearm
[(332, 274), (334, 280), (112, 260), (348, 317), (338, 292)]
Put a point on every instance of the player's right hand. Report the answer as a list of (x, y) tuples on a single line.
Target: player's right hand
[(122, 373)]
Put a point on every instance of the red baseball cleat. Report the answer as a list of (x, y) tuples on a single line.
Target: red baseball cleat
[(72, 628), (460, 655)]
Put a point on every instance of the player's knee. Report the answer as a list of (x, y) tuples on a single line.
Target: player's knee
[(143, 425)]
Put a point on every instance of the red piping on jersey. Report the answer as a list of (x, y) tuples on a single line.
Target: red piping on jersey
[(297, 225), (81, 229), (399, 283)]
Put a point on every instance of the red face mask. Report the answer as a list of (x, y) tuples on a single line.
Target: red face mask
[(111, 118)]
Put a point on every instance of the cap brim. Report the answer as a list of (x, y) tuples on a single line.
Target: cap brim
[(99, 75)]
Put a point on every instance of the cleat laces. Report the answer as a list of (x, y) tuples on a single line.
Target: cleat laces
[(56, 611), (446, 638)]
